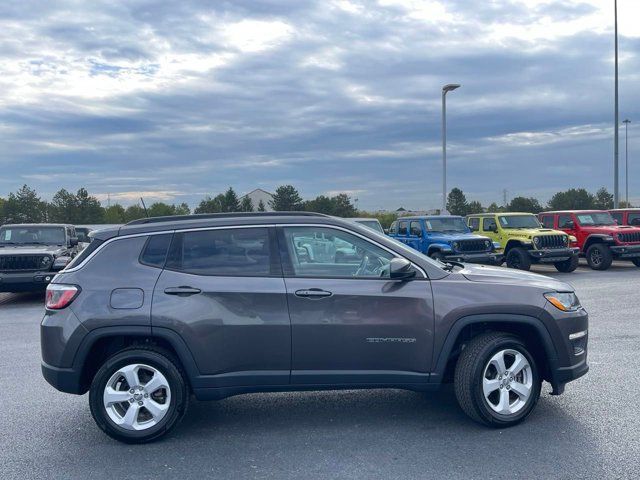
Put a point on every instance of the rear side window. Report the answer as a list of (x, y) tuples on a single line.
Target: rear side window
[(230, 252), (155, 250), (402, 228), (547, 221), (416, 229)]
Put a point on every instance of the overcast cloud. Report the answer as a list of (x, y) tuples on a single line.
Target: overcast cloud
[(175, 100)]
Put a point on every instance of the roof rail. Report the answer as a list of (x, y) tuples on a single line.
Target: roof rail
[(200, 216)]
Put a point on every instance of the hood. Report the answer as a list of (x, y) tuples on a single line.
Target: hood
[(31, 249), (604, 229), (533, 232), (487, 274), (452, 237)]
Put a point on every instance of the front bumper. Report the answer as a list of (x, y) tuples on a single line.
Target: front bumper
[(25, 281), (625, 251), (553, 255), (490, 258)]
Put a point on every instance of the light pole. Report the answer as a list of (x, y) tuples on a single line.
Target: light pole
[(616, 193), (447, 88), (626, 122)]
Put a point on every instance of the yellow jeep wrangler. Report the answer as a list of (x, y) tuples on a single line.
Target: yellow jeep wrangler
[(526, 241)]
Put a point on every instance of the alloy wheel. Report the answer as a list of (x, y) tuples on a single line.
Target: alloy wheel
[(507, 382), (137, 397)]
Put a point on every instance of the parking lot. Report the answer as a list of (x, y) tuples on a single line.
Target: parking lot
[(592, 431)]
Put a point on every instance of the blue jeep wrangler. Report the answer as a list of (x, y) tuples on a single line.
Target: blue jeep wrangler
[(445, 238)]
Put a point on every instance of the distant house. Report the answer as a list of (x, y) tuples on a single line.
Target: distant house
[(257, 195)]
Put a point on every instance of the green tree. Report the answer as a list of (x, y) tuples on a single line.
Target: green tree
[(2, 214), (474, 207), (320, 204), (62, 208), (25, 206), (134, 212), (246, 205), (261, 206), (524, 204), (114, 214), (603, 199), (494, 208), (211, 205), (286, 199), (88, 208), (342, 206), (457, 202), (182, 209), (572, 199), (161, 209), (231, 202)]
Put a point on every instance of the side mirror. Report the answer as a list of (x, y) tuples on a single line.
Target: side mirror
[(400, 269), (473, 228), (569, 225), (73, 241), (386, 231), (493, 228)]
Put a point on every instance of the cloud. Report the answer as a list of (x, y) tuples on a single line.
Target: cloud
[(173, 100)]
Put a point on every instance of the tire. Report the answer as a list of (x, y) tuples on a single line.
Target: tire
[(599, 256), (568, 265), (477, 362), (518, 258), (437, 256), (169, 400), (636, 261)]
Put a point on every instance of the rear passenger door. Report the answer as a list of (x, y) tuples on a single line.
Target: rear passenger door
[(222, 291)]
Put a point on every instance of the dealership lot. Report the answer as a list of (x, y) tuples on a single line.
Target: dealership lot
[(591, 431)]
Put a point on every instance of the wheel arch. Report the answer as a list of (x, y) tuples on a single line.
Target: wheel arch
[(592, 239), (513, 243)]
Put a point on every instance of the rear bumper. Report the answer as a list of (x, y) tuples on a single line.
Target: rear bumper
[(64, 379), (625, 251), (487, 257), (553, 255), (25, 282)]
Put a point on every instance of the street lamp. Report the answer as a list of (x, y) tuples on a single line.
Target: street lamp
[(626, 122), (616, 193), (447, 88)]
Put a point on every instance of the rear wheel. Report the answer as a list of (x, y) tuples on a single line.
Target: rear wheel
[(599, 256), (138, 395), (567, 265), (496, 380), (518, 258)]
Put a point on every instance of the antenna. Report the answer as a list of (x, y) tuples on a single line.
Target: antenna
[(504, 197), (145, 207)]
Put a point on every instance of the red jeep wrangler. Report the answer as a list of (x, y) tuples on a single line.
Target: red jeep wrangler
[(626, 216), (600, 238)]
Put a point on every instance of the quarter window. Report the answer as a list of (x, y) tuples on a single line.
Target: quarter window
[(230, 252), (155, 250), (327, 252)]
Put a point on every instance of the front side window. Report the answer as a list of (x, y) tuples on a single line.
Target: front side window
[(402, 228), (230, 252), (393, 228), (474, 224), (564, 221), (488, 224), (20, 235), (519, 221), (446, 225), (547, 221), (595, 219), (327, 252)]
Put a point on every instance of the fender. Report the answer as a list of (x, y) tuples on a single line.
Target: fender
[(442, 247), (445, 352), (598, 236)]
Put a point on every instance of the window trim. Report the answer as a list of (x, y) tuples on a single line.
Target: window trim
[(287, 264)]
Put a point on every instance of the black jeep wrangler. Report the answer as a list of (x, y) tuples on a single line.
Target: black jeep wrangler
[(31, 254)]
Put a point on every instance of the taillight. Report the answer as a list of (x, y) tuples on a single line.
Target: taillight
[(60, 296)]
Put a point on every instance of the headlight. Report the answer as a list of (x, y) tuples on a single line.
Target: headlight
[(455, 245), (45, 262), (536, 241), (565, 301), (487, 244), (608, 238)]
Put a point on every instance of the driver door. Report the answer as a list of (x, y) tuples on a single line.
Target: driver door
[(350, 323)]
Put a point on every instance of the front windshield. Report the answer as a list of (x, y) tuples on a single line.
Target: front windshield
[(20, 235), (519, 221), (372, 224), (446, 224), (595, 219)]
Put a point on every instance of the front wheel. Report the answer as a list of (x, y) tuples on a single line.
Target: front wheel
[(138, 395), (497, 382), (567, 265), (599, 256), (518, 258)]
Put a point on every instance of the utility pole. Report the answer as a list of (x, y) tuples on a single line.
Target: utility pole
[(504, 198), (616, 192), (446, 89), (626, 122)]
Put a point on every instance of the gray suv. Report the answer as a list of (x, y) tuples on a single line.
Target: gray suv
[(219, 305)]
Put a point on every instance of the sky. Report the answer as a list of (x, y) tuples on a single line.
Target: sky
[(173, 101)]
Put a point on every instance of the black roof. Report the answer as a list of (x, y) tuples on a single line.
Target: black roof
[(201, 216)]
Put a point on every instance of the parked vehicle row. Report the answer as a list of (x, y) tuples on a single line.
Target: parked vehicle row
[(220, 305)]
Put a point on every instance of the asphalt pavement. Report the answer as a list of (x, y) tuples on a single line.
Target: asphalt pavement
[(592, 431)]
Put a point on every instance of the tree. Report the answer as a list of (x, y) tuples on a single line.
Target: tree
[(182, 209), (161, 209), (246, 205), (261, 207), (524, 204), (603, 199), (88, 208), (114, 214), (25, 206), (342, 206), (286, 199), (231, 203), (474, 207), (134, 212), (457, 202), (2, 214), (494, 208), (320, 204), (572, 199), (211, 205), (63, 207)]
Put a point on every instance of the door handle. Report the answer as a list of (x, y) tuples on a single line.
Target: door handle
[(182, 291), (313, 293)]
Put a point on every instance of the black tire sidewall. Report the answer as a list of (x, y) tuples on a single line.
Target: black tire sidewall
[(488, 415), (179, 395), (524, 260), (567, 266), (607, 257)]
